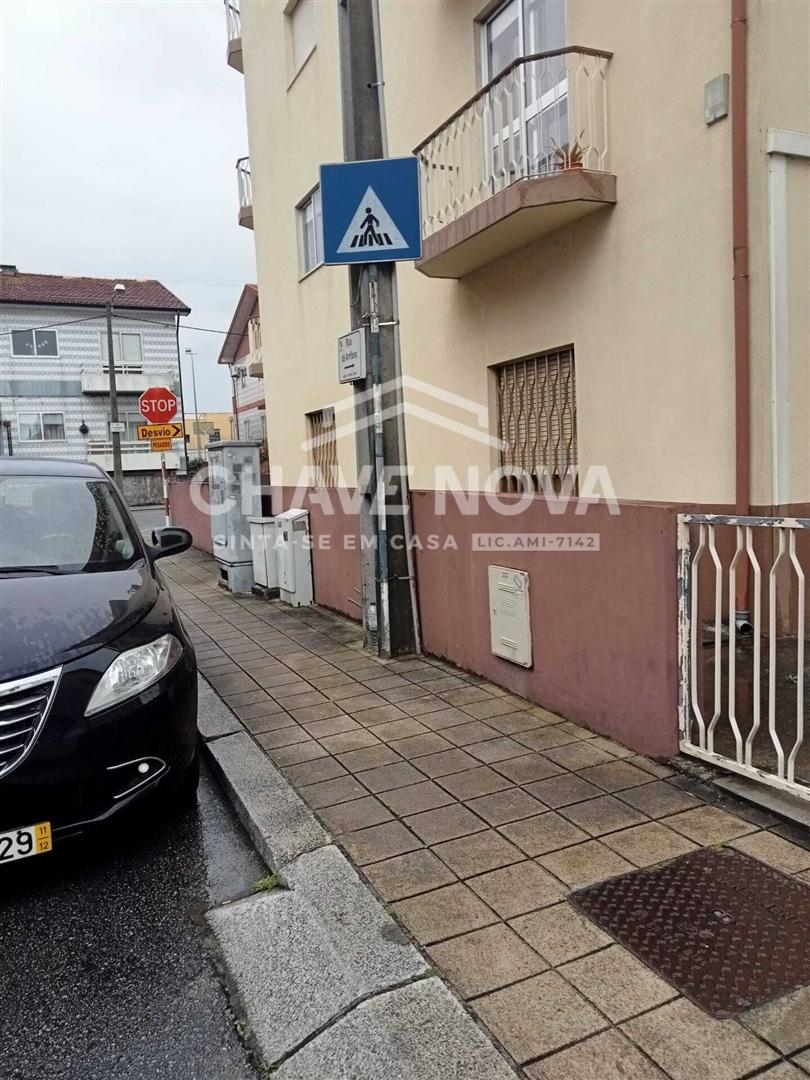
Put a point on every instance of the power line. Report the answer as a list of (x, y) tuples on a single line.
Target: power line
[(48, 326), (117, 315)]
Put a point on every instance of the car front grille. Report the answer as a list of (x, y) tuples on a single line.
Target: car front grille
[(24, 706)]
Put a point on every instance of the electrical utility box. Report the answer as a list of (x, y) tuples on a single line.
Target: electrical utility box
[(509, 615), (265, 561), (235, 495), (294, 558)]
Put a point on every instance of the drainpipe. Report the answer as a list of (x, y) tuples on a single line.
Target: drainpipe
[(742, 309)]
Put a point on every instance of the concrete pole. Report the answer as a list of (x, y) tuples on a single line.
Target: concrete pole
[(118, 472)]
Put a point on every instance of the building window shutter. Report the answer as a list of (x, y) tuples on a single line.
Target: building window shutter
[(303, 31), (323, 447)]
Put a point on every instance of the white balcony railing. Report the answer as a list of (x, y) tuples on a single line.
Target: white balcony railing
[(244, 184), (135, 455), (233, 19), (545, 114), (129, 379)]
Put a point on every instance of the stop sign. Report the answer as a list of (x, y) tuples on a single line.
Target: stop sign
[(157, 404)]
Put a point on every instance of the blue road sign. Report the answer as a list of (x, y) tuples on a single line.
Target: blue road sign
[(371, 211)]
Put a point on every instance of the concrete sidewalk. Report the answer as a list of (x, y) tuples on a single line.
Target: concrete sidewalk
[(473, 813)]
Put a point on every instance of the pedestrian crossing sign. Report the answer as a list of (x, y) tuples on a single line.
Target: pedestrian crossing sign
[(371, 211)]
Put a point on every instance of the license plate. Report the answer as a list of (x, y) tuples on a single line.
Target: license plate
[(21, 843)]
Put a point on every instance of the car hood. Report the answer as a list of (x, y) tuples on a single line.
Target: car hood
[(47, 620)]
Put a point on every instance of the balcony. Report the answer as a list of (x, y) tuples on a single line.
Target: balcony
[(233, 21), (129, 379), (245, 192), (135, 456), (527, 155), (254, 357)]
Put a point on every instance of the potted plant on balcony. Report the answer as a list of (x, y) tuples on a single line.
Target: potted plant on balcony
[(569, 155)]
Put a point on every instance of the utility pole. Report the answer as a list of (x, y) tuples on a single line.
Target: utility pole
[(115, 435), (390, 617), (189, 352)]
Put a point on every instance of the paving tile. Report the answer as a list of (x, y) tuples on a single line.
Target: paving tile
[(310, 713), (478, 853), (363, 702), (783, 1071), (330, 792), (384, 715), (399, 729), (422, 706), (351, 816), (385, 682), (421, 745), (709, 825), (379, 842), (687, 1043), (408, 875), (472, 782), (605, 1056), (803, 1060), (445, 823), (313, 772), (387, 777), (496, 749), (538, 1015), (398, 695), (259, 724), (444, 913), (371, 757), (526, 769), (299, 699), (647, 844), (585, 864), (560, 933), (349, 740), (563, 790), (465, 695), (654, 768), (473, 732), (615, 775), (415, 798), (446, 718), (784, 1023), (603, 815), (484, 710), (335, 725), (446, 763), (294, 755), (658, 798), (257, 709), (613, 748), (504, 806), (545, 738), (508, 959), (617, 983), (544, 832), (517, 889), (773, 850), (578, 755)]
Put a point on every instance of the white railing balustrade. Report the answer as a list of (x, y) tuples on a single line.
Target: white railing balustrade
[(233, 19), (742, 701), (243, 181), (543, 115)]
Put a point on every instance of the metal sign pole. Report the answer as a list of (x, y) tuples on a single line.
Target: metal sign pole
[(165, 489), (383, 621)]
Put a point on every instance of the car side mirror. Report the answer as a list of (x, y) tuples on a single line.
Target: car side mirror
[(169, 541)]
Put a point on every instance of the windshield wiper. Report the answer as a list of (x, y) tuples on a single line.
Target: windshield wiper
[(52, 569)]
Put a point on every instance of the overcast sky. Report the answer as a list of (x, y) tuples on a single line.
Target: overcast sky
[(121, 126)]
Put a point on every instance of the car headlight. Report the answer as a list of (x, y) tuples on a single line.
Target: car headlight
[(133, 671)]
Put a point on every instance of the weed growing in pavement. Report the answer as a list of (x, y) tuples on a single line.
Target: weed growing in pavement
[(266, 884)]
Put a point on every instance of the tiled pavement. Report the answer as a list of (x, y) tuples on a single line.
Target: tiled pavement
[(473, 813)]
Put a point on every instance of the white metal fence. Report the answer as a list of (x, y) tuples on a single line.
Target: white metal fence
[(544, 114), (742, 700), (233, 19)]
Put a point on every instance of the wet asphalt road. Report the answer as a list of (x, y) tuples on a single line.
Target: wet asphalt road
[(105, 969)]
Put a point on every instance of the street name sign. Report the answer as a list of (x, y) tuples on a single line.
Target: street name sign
[(117, 427), (371, 211), (160, 431), (158, 404), (352, 356)]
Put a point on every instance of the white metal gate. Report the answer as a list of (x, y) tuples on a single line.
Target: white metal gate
[(742, 702)]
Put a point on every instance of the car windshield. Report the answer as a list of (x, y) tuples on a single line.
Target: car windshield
[(62, 524)]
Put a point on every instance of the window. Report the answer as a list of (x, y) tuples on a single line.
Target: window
[(310, 233), (302, 30), (127, 350), (537, 421), (41, 427), (528, 113), (34, 343), (322, 442)]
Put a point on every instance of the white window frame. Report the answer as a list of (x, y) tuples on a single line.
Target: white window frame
[(313, 200), (132, 369), (40, 414), (35, 355)]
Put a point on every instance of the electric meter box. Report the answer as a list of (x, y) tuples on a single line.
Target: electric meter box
[(510, 615), (294, 558), (235, 496), (265, 560)]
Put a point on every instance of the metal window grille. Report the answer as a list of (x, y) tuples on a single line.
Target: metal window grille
[(323, 447), (537, 422)]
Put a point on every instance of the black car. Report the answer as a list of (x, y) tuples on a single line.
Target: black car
[(98, 680)]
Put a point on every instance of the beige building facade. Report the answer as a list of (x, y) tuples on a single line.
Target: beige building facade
[(582, 314)]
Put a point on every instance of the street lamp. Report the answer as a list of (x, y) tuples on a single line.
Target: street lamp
[(190, 353), (115, 435), (235, 377)]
